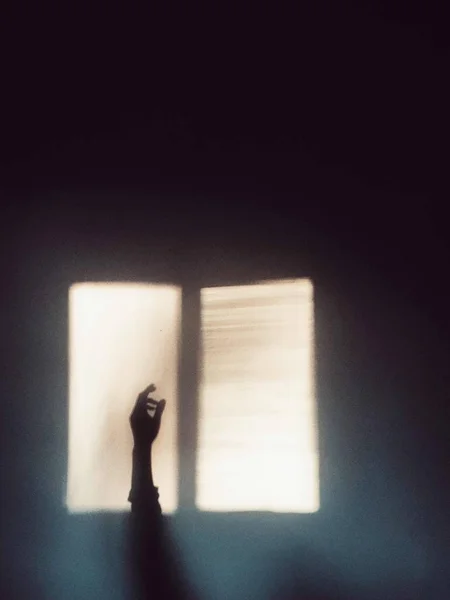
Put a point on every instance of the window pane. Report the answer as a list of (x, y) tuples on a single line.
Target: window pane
[(122, 337), (257, 427)]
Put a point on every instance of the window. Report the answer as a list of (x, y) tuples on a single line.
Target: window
[(243, 427)]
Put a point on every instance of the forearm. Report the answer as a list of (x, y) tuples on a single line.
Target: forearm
[(142, 475), (143, 491)]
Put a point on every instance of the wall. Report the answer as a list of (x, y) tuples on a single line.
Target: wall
[(381, 344)]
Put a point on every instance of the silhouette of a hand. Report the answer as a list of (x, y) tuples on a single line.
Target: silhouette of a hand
[(144, 425)]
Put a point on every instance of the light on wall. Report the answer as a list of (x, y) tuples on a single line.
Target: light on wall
[(257, 443), (121, 336), (258, 435)]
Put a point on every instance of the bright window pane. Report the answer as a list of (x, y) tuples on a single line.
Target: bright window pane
[(257, 427), (122, 337)]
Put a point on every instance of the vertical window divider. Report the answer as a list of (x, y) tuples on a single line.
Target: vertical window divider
[(189, 374)]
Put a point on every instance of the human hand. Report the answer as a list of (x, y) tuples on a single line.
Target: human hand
[(144, 425)]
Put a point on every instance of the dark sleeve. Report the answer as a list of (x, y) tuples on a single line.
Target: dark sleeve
[(146, 532), (155, 573), (145, 501)]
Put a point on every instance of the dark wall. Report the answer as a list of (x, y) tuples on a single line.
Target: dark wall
[(214, 147), (381, 324)]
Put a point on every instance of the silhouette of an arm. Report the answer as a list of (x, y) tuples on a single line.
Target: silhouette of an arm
[(155, 575), (146, 523), (145, 427)]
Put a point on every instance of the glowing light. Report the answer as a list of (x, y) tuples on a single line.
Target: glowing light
[(257, 446), (257, 429), (122, 337)]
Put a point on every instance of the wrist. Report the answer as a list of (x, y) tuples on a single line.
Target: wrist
[(142, 450)]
